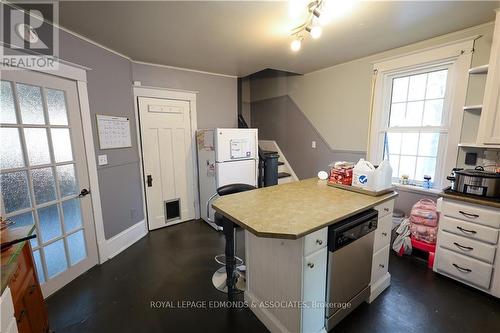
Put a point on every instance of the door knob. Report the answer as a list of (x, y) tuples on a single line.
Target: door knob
[(149, 180), (83, 193)]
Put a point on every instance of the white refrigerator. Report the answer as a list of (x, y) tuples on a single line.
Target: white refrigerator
[(225, 156)]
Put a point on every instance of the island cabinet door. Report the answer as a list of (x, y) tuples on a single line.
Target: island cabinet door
[(314, 291)]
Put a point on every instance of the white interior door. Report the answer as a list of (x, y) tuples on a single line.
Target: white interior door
[(167, 159), (43, 168)]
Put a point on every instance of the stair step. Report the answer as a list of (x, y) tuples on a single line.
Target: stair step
[(283, 175), (265, 152)]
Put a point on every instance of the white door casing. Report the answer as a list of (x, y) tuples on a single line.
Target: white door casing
[(54, 166), (166, 141)]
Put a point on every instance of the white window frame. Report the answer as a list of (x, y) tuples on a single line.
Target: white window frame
[(456, 57)]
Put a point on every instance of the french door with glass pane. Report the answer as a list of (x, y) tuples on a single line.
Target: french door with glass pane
[(42, 172)]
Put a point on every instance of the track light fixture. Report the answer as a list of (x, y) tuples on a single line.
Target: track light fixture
[(314, 31), (309, 26), (317, 14)]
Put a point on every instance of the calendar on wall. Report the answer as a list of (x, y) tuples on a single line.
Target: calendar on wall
[(114, 132)]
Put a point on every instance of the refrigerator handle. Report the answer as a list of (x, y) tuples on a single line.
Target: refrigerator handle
[(208, 207)]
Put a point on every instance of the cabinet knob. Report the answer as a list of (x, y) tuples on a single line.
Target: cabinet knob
[(310, 265), (384, 234), (381, 266), (386, 209), (319, 242)]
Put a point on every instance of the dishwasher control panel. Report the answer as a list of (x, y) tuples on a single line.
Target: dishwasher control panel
[(345, 232)]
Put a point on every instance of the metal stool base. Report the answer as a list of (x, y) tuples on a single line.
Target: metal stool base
[(219, 280)]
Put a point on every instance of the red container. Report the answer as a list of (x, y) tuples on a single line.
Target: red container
[(341, 176)]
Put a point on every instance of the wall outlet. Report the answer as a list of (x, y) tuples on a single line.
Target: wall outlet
[(313, 144), (102, 159)]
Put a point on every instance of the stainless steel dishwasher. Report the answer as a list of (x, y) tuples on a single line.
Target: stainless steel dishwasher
[(350, 251)]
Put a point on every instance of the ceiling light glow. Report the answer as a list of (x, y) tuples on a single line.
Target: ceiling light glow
[(296, 44), (315, 32), (336, 9), (297, 9)]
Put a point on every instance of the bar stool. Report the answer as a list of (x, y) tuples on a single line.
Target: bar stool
[(228, 278)]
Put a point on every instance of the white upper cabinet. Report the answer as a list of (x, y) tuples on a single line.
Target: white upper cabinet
[(489, 126)]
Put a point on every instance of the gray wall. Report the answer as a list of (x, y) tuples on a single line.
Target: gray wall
[(110, 93), (279, 118), (216, 103)]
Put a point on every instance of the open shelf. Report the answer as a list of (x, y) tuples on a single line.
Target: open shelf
[(473, 107), (479, 70), (476, 145)]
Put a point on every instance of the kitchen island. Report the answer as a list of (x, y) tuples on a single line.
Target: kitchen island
[(286, 247)]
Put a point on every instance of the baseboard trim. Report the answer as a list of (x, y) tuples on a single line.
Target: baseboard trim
[(267, 318), (378, 287), (123, 240)]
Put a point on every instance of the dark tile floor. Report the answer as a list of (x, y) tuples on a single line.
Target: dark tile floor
[(176, 264)]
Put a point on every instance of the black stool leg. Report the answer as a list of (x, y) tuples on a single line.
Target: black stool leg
[(228, 229)]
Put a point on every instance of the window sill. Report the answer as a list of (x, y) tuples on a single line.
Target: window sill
[(417, 189)]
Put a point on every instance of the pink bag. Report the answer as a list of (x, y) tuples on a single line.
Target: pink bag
[(424, 212), (423, 233)]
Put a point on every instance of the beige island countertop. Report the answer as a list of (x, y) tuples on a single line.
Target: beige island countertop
[(293, 210)]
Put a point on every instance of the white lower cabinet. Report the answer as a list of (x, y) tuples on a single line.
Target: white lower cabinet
[(467, 244), (468, 247), (382, 233), (286, 281), (380, 264), (380, 278), (314, 290), (467, 269)]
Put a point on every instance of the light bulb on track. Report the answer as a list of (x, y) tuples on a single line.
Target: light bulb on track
[(296, 44), (315, 32)]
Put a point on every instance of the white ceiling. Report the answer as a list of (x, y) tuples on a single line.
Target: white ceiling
[(240, 38)]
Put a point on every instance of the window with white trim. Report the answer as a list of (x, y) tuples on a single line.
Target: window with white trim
[(417, 111), (413, 139)]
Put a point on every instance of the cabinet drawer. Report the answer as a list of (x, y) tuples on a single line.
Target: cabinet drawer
[(474, 213), (385, 208), (380, 264), (315, 241), (383, 233), (469, 230), (467, 246), (464, 268)]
